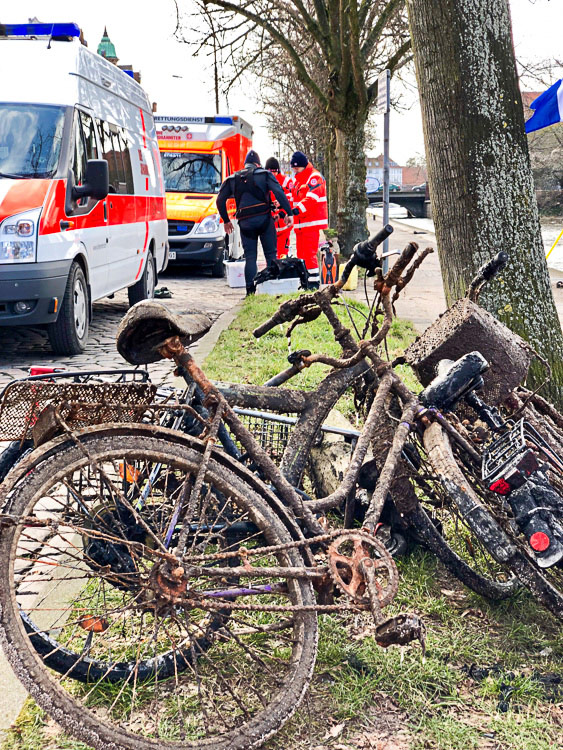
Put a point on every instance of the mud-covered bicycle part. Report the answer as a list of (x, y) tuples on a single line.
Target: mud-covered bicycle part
[(271, 658), (148, 324), (347, 557), (484, 513)]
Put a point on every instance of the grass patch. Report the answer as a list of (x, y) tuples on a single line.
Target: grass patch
[(240, 358)]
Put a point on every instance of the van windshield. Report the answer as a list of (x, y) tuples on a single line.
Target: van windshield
[(191, 173), (30, 139)]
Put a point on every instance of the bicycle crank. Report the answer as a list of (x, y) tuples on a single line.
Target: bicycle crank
[(361, 567), (358, 563)]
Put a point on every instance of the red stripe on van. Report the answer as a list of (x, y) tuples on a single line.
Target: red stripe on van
[(144, 249), (139, 271), (122, 209), (143, 124), (23, 195)]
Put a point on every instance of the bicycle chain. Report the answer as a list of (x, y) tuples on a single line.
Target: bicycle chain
[(319, 608), (261, 551)]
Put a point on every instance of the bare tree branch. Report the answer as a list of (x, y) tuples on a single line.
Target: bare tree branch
[(302, 73), (356, 55), (392, 65), (384, 17)]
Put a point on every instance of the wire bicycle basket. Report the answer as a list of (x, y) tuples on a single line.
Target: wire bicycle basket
[(79, 398)]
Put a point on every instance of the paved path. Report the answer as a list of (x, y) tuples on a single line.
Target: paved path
[(22, 347), (423, 299)]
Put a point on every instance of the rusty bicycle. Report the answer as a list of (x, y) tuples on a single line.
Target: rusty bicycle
[(177, 590)]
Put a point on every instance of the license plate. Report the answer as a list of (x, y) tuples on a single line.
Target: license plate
[(172, 255)]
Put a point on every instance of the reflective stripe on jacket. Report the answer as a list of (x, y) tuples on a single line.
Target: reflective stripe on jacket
[(309, 196)]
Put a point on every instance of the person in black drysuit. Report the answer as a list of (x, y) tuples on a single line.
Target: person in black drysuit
[(251, 188)]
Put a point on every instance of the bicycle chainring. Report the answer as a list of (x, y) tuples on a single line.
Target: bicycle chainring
[(347, 556)]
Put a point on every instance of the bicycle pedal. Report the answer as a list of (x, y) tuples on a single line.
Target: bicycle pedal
[(401, 630)]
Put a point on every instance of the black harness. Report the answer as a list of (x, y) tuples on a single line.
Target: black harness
[(246, 183)]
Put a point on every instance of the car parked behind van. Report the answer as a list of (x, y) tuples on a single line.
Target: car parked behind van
[(82, 207)]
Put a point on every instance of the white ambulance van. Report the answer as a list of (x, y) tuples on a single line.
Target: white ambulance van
[(82, 201)]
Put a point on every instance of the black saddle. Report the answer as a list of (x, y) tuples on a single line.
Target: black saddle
[(148, 324), (454, 381)]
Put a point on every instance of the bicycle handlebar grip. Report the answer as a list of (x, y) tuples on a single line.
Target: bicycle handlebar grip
[(495, 265), (381, 236), (274, 321), (365, 249), (491, 268)]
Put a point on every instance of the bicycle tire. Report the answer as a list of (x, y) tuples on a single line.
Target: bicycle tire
[(55, 655), (436, 521), (497, 534), (9, 457), (268, 697)]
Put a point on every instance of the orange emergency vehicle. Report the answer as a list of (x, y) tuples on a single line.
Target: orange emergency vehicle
[(198, 153)]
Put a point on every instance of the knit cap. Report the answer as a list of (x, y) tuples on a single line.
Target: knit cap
[(252, 158), (272, 163), (299, 159)]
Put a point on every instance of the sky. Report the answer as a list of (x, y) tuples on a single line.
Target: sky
[(180, 83)]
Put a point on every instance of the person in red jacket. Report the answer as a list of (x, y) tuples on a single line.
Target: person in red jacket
[(282, 230), (310, 211)]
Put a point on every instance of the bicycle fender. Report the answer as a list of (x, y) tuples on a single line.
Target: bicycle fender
[(475, 513)]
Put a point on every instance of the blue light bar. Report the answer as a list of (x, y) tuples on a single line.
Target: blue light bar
[(130, 73), (40, 29), (223, 120)]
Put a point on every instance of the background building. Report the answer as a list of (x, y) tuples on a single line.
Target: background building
[(106, 48)]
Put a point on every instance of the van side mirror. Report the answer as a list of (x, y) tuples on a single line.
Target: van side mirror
[(96, 181)]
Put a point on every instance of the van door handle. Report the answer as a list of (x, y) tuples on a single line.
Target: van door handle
[(105, 211)]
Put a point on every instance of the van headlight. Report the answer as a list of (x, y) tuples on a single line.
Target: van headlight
[(209, 225), (18, 237)]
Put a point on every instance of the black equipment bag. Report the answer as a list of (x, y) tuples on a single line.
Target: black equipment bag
[(284, 268)]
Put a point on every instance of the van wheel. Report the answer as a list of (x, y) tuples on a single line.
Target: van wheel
[(69, 333), (144, 288), (218, 268)]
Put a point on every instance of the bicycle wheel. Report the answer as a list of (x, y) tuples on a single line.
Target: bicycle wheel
[(12, 454), (488, 518), (113, 600)]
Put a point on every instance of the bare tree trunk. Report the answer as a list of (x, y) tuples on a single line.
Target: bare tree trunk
[(351, 182), (332, 181), (479, 168)]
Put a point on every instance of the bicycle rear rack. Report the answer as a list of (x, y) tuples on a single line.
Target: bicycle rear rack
[(507, 450)]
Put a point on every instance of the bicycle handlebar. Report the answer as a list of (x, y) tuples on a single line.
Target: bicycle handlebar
[(363, 256), (362, 248), (364, 253), (490, 269), (285, 314), (487, 271)]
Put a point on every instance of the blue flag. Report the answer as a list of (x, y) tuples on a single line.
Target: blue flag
[(548, 108)]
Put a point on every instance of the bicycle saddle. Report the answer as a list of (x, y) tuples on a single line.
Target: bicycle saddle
[(454, 381), (148, 324)]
